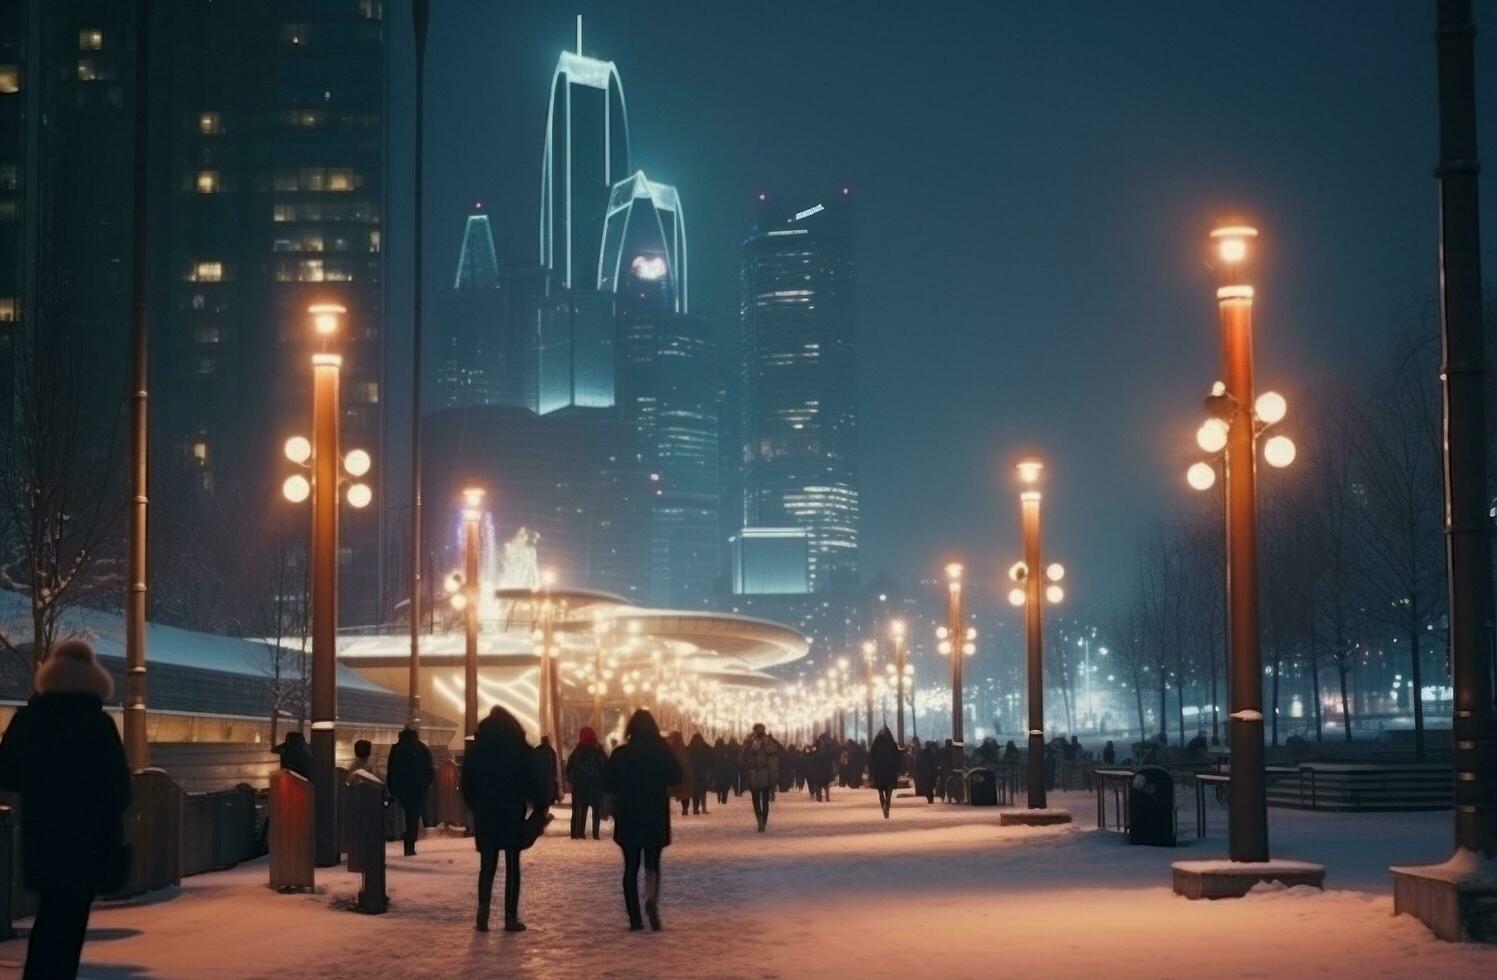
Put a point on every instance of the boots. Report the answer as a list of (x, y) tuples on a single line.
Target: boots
[(512, 921), (652, 899), (483, 917), (631, 905)]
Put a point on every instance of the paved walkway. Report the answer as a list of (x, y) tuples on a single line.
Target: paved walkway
[(832, 890)]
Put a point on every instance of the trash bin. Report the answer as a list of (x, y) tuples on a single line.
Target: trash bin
[(1151, 808), (982, 787)]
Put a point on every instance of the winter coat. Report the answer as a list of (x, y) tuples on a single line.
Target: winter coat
[(638, 776), (503, 787), (761, 761), (681, 790), (699, 755), (585, 771), (63, 756), (724, 765), (925, 771), (883, 761), (826, 762), (409, 770), (546, 764)]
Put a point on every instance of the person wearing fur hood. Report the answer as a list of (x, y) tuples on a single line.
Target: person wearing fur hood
[(63, 756)]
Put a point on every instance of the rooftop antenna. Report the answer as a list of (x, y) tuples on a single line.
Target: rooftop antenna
[(579, 35)]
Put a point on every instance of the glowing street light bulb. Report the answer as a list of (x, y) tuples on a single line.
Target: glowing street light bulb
[(1270, 407), (1279, 451), (954, 571), (1232, 242), (1016, 597), (1201, 476), (1212, 436), (298, 449), (1055, 571), (297, 488), (1018, 571), (459, 601), (1054, 593), (359, 495), (326, 317), (1029, 470), (357, 463)]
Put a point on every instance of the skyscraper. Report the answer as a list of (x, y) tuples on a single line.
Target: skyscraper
[(272, 158), (586, 154), (667, 383), (469, 364), (799, 439)]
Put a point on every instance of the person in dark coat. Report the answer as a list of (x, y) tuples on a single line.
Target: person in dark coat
[(550, 769), (681, 791), (295, 755), (1011, 756), (699, 756), (826, 767), (762, 770), (510, 803), (585, 774), (724, 770), (925, 772), (63, 756), (789, 770), (1109, 753), (639, 776), (735, 752), (409, 773), (883, 767)]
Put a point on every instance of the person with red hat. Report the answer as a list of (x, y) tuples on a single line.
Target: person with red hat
[(585, 775)]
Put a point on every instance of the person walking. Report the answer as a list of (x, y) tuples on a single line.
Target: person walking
[(699, 756), (550, 769), (409, 775), (724, 770), (1109, 753), (925, 772), (585, 774), (681, 792), (638, 777), (826, 766), (883, 767), (761, 769), (502, 780), (63, 756)]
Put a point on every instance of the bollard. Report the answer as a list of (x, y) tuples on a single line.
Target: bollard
[(367, 796), (153, 825), (291, 832)]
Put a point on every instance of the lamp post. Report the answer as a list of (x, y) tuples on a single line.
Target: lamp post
[(896, 631), (870, 654), (420, 17), (957, 641), (1236, 420), (322, 456), (1031, 592), (472, 522)]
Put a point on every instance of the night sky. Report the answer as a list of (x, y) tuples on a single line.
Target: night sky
[(1033, 185)]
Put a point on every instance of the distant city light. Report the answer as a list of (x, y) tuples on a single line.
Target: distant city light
[(648, 267)]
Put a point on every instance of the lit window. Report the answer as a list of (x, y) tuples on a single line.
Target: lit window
[(207, 182), (203, 365), (367, 392), (340, 180), (10, 79), (208, 272), (200, 452), (210, 123), (199, 301), (87, 71), (309, 270), (7, 309), (206, 335), (90, 39), (374, 240)]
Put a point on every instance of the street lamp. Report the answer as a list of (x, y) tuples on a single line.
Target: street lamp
[(870, 654), (896, 631), (1034, 585), (467, 602), (320, 456), (1236, 419), (958, 641)]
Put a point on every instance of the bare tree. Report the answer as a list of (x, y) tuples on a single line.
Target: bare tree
[(1125, 640), (1334, 542), (1398, 504), (59, 500)]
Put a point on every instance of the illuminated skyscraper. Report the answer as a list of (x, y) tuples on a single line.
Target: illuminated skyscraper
[(587, 152), (667, 383), (469, 367), (799, 383)]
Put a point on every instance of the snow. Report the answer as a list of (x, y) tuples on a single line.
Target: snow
[(831, 890), (1464, 868), (1246, 867)]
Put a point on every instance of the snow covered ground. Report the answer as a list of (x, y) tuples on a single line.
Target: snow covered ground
[(831, 890)]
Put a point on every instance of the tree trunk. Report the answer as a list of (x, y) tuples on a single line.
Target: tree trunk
[(1416, 678), (1315, 690), (1180, 706), (1164, 706), (1138, 696), (1215, 707), (1345, 703), (1278, 666)]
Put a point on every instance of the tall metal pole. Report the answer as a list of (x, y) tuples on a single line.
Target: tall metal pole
[(956, 636), (899, 680), (1248, 825), (325, 469), (472, 517), (1467, 542), (1034, 625), (870, 650), (137, 748), (420, 15)]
